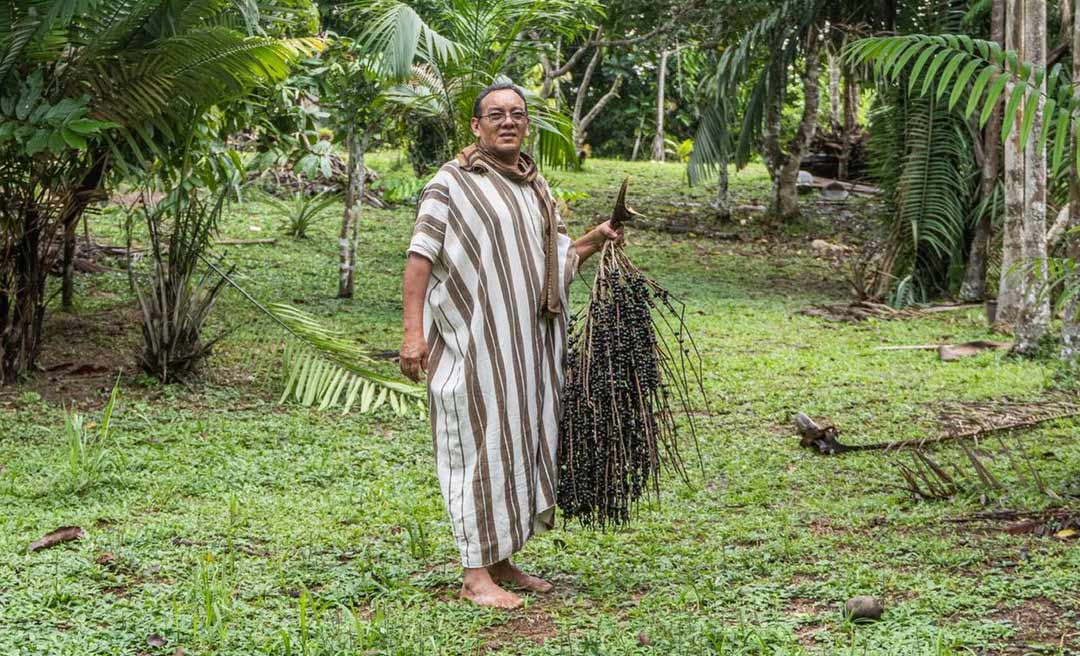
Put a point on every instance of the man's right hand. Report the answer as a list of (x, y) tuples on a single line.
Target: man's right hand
[(414, 352)]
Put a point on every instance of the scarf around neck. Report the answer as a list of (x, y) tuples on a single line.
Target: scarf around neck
[(478, 160)]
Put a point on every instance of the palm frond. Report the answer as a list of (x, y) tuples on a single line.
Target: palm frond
[(779, 37), (323, 367), (922, 156), (958, 67), (712, 143), (149, 91), (396, 34), (24, 26)]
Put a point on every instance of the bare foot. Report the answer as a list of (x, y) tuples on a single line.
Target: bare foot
[(489, 594), (506, 572)]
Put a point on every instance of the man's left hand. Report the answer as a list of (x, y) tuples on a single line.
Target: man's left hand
[(608, 233)]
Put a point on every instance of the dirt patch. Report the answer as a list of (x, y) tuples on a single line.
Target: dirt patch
[(1041, 622), (807, 635), (532, 624), (81, 356)]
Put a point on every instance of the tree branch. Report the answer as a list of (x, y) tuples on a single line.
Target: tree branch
[(583, 87), (611, 94)]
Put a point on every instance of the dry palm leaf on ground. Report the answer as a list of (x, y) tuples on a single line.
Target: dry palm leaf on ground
[(631, 368)]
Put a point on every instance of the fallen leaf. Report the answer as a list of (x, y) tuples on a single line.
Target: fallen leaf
[(105, 559), (59, 536), (1066, 534), (87, 369), (950, 352), (1020, 528)]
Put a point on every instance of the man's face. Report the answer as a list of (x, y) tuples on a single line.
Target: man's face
[(503, 123)]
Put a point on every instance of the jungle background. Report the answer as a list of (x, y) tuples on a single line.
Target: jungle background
[(869, 210)]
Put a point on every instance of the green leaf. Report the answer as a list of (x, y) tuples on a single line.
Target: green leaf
[(1048, 120), (961, 81), (57, 143), (88, 126), (38, 142), (934, 65), (1031, 110), (946, 75), (1010, 110), (1061, 135), (976, 90), (73, 139), (902, 61), (919, 63), (992, 98)]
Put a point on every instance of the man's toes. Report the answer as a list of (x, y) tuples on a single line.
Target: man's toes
[(495, 597)]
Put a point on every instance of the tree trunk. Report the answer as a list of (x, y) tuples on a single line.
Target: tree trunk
[(22, 300), (25, 262), (851, 122), (1033, 320), (834, 92), (1009, 286), (1070, 328), (637, 138), (349, 237), (784, 166), (658, 138), (580, 118), (974, 285), (67, 286), (722, 206)]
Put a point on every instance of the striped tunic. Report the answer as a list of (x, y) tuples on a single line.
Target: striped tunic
[(495, 366)]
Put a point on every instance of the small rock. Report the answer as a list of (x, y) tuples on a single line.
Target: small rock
[(863, 607), (644, 640), (834, 191), (824, 248), (154, 640)]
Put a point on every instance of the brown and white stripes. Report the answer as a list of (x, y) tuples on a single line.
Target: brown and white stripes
[(495, 367)]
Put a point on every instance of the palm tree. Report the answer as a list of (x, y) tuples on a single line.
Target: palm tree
[(970, 76), (780, 37), (91, 89), (456, 49)]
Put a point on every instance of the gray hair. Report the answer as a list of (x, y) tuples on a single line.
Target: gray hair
[(498, 86)]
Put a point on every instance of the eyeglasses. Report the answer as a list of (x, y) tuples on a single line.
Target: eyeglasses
[(517, 116)]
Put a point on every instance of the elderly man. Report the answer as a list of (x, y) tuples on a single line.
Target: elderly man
[(485, 295)]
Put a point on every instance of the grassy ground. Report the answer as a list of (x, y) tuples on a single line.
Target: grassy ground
[(219, 522)]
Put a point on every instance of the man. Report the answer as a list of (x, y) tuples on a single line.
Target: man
[(485, 294)]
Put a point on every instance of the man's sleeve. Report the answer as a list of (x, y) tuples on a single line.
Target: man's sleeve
[(430, 228)]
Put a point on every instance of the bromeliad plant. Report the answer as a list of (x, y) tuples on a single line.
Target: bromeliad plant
[(632, 366)]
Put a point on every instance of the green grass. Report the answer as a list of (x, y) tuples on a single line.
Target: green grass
[(222, 523)]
